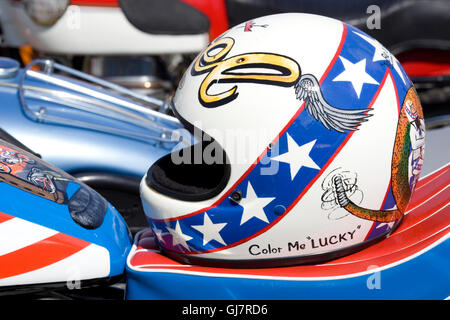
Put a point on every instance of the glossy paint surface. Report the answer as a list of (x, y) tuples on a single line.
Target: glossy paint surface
[(84, 140)]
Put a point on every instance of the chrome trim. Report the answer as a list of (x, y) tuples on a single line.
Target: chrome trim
[(8, 67), (77, 96)]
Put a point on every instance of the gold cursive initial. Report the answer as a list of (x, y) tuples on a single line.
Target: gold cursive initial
[(220, 70)]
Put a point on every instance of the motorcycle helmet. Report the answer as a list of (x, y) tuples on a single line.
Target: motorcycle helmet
[(309, 142)]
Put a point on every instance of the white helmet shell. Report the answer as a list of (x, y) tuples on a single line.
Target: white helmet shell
[(313, 153)]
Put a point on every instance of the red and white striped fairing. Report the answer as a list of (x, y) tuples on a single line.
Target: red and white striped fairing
[(31, 253)]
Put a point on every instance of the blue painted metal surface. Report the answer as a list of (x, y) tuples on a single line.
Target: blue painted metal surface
[(78, 127)]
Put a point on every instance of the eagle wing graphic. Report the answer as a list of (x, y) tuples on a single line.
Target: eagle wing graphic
[(308, 90)]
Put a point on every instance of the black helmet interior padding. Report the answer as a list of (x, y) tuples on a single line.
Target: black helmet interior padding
[(193, 179)]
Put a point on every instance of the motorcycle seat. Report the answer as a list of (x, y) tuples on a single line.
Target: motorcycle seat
[(403, 24), (169, 17)]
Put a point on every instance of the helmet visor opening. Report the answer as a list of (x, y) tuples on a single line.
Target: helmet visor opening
[(189, 175)]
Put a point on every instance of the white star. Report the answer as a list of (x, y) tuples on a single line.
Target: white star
[(254, 206), (389, 224), (178, 237), (210, 231), (381, 53), (297, 156), (356, 74), (159, 234)]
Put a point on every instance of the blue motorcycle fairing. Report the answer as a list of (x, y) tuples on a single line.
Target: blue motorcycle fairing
[(41, 196), (80, 127), (102, 133)]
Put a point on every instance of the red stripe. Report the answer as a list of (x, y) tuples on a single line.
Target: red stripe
[(381, 208), (386, 195), (95, 3), (396, 93), (339, 267), (370, 231), (216, 12), (436, 202), (5, 217), (246, 173), (427, 179), (438, 184), (40, 254), (390, 181)]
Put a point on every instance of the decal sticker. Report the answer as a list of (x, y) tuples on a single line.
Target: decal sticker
[(25, 173), (19, 170), (417, 138), (308, 244), (248, 26)]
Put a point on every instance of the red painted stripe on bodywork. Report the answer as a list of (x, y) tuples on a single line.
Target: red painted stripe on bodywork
[(40, 254)]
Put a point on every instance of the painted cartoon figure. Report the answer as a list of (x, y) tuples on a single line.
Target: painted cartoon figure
[(417, 137), (22, 171), (406, 165), (12, 157), (44, 179)]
